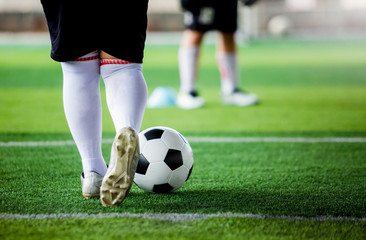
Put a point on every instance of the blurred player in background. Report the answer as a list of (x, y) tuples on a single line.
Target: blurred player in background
[(202, 16), (93, 39)]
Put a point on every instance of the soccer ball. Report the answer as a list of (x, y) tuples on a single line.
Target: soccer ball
[(166, 160)]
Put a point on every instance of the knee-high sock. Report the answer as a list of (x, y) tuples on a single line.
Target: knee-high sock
[(82, 106), (228, 67), (188, 63), (126, 92)]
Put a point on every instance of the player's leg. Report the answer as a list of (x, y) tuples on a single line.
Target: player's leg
[(122, 40), (228, 65), (226, 24), (82, 106), (198, 18), (188, 63), (126, 94), (126, 91), (227, 62)]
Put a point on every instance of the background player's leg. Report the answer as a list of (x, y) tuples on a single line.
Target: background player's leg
[(227, 62), (228, 66), (82, 106), (188, 59), (188, 63)]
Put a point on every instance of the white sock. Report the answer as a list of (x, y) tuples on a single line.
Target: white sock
[(126, 92), (82, 106), (228, 67), (188, 61)]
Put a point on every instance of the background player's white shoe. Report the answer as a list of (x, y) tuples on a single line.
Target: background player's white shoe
[(91, 183), (122, 167), (240, 98), (190, 100)]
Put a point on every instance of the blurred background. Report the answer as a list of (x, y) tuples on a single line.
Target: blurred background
[(304, 58), (269, 18)]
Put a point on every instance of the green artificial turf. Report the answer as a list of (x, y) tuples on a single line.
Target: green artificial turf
[(214, 228), (307, 89), (305, 109), (302, 87), (260, 178)]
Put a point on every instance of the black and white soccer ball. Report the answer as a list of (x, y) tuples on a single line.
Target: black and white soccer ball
[(166, 160)]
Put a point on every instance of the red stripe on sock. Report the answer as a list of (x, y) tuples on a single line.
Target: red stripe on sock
[(86, 59), (224, 71), (113, 61)]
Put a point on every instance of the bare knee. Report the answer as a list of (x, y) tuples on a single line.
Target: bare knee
[(192, 38), (226, 42), (104, 55)]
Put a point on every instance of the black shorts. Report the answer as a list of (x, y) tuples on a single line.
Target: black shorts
[(78, 27), (205, 15)]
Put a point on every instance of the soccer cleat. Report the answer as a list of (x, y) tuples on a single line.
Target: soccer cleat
[(122, 167), (240, 98), (190, 100), (90, 183)]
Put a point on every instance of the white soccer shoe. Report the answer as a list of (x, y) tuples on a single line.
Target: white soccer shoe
[(91, 183), (190, 100), (122, 167), (239, 98)]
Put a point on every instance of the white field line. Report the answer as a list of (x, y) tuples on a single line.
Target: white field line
[(175, 216), (208, 140), (278, 139)]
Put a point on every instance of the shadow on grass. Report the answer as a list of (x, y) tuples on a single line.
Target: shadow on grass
[(253, 201), (48, 200)]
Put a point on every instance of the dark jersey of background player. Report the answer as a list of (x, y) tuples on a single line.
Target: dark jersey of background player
[(222, 17)]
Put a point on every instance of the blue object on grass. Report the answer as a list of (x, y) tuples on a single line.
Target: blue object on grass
[(162, 97)]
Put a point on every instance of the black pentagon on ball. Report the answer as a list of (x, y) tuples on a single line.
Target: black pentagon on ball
[(154, 134), (173, 159), (142, 165), (162, 188)]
